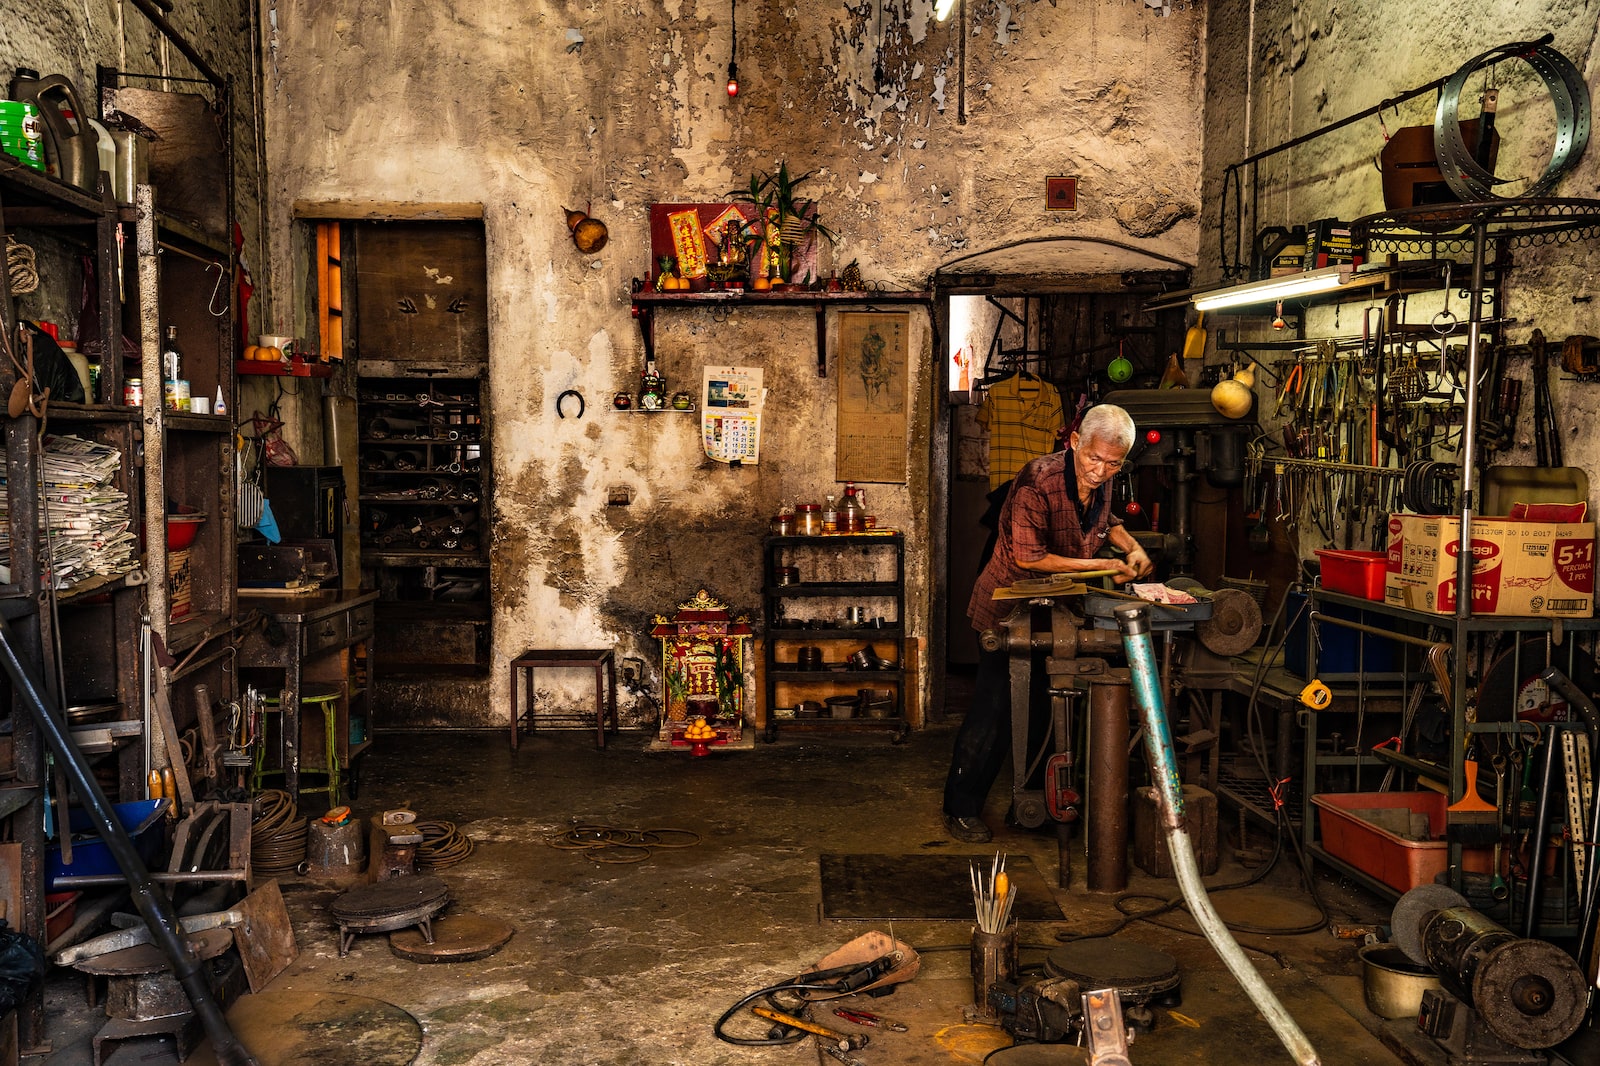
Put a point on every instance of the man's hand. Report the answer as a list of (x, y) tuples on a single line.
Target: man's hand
[(1134, 565)]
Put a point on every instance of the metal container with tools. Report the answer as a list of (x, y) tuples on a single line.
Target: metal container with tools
[(808, 657)]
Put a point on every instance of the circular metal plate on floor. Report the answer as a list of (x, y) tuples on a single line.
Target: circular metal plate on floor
[(1039, 1055), (369, 906), (287, 1028), (1136, 970), (457, 937)]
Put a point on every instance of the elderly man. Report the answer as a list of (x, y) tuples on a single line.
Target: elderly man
[(1056, 520)]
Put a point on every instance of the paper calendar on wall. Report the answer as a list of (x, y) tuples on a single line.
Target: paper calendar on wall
[(730, 413)]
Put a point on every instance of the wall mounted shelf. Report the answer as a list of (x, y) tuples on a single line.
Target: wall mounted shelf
[(646, 303)]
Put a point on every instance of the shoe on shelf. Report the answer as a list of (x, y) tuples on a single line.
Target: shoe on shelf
[(967, 830)]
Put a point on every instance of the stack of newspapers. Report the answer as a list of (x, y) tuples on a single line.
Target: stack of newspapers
[(83, 516)]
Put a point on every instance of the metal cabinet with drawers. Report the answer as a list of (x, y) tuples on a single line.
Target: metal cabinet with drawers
[(314, 638)]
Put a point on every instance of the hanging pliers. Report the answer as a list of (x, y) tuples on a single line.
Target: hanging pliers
[(867, 1018)]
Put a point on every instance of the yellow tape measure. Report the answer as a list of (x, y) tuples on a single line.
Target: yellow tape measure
[(1316, 695)]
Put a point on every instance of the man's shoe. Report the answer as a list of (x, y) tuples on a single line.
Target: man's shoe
[(967, 830)]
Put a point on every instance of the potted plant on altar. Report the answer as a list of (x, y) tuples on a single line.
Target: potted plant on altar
[(789, 225)]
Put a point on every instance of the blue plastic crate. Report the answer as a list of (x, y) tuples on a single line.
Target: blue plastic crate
[(140, 819)]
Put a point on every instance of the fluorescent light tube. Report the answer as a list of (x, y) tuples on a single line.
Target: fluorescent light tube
[(1308, 283)]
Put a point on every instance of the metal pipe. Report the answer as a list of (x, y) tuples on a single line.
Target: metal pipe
[(153, 12), (1061, 720), (1541, 830), (1469, 431), (152, 904), (1513, 48), (1134, 622), (1107, 829)]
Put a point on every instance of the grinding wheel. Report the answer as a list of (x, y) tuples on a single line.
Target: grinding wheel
[(1234, 625), (1039, 1055), (457, 937), (1530, 994), (1410, 915)]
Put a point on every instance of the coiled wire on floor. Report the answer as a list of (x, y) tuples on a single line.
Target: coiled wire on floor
[(277, 835), (620, 847), (442, 845)]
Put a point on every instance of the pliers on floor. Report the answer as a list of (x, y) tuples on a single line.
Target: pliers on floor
[(867, 1018)]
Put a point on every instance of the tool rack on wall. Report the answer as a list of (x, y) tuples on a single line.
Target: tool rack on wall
[(1482, 234)]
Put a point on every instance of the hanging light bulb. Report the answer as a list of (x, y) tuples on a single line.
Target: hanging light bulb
[(733, 50), (1277, 320), (941, 10)]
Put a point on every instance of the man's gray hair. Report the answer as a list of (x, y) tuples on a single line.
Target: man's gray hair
[(1108, 424)]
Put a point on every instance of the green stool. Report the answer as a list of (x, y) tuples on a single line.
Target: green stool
[(324, 698)]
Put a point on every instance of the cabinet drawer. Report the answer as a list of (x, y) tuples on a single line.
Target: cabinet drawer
[(324, 634), (360, 623)]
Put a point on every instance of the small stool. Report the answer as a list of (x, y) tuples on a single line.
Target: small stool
[(324, 698), (601, 660)]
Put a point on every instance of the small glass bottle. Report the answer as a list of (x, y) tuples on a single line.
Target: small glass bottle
[(830, 516), (171, 357)]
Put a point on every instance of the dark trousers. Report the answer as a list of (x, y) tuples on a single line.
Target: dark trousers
[(984, 739)]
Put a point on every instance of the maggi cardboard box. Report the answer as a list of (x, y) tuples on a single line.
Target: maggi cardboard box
[(1528, 569)]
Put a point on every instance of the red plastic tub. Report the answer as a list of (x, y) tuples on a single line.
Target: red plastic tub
[(1391, 858), (1354, 573)]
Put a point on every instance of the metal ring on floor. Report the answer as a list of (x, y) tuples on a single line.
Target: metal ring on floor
[(652, 837), (598, 854)]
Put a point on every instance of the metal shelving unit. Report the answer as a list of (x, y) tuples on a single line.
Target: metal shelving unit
[(830, 633)]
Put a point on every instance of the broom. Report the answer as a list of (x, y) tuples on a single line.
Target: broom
[(1471, 820)]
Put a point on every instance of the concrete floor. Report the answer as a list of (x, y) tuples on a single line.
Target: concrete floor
[(631, 964)]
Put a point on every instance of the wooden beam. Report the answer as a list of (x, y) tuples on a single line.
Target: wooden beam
[(385, 210)]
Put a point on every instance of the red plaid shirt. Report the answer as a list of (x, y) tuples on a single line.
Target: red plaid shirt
[(1041, 517)]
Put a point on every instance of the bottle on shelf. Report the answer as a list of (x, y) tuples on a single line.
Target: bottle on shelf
[(830, 516), (850, 511), (171, 356)]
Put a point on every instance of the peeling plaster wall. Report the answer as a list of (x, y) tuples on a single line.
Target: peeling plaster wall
[(438, 101), (1311, 63)]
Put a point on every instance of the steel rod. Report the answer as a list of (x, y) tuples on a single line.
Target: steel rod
[(1134, 623), (1541, 830)]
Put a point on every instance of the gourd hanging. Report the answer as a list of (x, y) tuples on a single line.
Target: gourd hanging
[(1233, 396), (589, 234)]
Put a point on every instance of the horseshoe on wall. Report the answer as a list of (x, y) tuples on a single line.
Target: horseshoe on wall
[(576, 395)]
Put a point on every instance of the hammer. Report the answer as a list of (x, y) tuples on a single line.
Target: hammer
[(850, 1042)]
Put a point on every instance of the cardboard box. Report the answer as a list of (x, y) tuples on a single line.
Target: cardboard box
[(1527, 569)]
